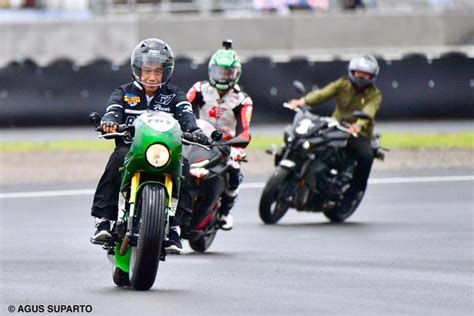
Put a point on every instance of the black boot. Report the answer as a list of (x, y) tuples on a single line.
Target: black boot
[(102, 233), (173, 244), (226, 220)]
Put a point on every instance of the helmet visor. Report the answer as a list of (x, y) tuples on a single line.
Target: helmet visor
[(149, 63), (223, 74)]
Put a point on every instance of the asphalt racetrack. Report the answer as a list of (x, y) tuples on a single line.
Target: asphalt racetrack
[(407, 250)]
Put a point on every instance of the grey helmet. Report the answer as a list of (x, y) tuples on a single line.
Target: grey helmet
[(152, 51), (366, 63)]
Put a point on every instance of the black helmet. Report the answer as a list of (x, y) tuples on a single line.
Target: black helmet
[(152, 51)]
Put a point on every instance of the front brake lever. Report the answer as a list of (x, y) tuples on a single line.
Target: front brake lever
[(187, 142), (111, 135)]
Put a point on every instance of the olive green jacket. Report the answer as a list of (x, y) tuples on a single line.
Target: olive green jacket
[(349, 100)]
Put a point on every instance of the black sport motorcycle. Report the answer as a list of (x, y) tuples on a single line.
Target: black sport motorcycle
[(313, 168), (209, 179)]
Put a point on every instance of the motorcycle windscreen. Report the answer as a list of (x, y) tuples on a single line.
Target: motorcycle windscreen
[(196, 154)]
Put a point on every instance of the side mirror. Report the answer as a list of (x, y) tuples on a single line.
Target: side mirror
[(95, 118), (299, 86), (237, 141), (217, 135)]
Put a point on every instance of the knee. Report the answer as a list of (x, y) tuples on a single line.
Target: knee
[(117, 157), (235, 179), (365, 157), (363, 154)]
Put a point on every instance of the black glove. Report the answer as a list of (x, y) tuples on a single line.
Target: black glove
[(200, 137), (108, 126)]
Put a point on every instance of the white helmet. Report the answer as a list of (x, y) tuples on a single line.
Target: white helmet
[(366, 63)]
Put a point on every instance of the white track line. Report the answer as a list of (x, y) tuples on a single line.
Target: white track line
[(249, 185)]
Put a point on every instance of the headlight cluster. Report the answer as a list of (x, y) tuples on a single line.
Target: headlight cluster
[(304, 126), (157, 155)]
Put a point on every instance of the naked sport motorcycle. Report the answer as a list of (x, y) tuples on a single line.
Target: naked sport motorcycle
[(313, 168)]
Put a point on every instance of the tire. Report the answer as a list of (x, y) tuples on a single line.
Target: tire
[(341, 213), (120, 277), (272, 207), (145, 256), (203, 243)]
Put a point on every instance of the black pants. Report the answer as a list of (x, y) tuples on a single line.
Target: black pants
[(184, 209), (229, 197), (235, 178), (361, 150), (105, 203)]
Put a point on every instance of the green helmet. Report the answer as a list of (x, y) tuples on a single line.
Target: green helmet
[(224, 67)]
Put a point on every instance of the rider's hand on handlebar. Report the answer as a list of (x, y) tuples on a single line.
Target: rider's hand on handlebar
[(109, 127), (200, 138), (237, 153), (294, 103), (354, 129)]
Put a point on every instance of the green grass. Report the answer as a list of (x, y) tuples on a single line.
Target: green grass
[(58, 145), (397, 140), (444, 140), (390, 140)]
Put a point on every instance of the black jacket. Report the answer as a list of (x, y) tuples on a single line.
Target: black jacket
[(130, 100)]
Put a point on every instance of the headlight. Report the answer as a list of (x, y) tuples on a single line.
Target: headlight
[(304, 126), (157, 155), (306, 145)]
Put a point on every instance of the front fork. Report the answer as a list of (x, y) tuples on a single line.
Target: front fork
[(135, 188), (302, 179), (122, 250)]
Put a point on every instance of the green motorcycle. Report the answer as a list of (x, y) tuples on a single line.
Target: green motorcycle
[(150, 179)]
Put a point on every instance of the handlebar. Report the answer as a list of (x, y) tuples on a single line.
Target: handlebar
[(123, 130), (331, 122), (187, 142), (120, 128), (187, 139), (288, 106)]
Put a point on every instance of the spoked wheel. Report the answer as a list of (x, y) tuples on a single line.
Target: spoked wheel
[(343, 211), (272, 203), (150, 224), (203, 243)]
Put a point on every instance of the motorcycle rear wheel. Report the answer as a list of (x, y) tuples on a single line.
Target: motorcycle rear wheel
[(272, 205), (341, 213), (145, 256)]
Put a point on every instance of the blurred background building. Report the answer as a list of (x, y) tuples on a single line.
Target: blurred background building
[(62, 58), (201, 6)]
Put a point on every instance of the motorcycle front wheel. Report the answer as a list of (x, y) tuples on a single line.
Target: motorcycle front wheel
[(145, 256), (273, 204)]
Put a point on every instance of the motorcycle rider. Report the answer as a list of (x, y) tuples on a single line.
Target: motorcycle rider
[(355, 92), (152, 63), (222, 102)]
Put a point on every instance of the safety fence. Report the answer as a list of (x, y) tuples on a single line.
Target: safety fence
[(63, 93)]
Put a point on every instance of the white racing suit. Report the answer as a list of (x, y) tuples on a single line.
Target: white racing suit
[(231, 114)]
